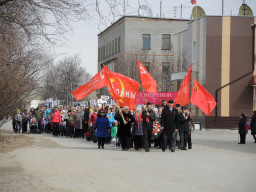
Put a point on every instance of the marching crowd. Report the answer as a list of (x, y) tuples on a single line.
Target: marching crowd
[(166, 126)]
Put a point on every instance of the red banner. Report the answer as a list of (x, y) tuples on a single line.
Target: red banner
[(123, 89), (155, 98)]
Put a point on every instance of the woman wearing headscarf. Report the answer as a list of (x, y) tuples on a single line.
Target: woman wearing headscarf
[(102, 125), (242, 128)]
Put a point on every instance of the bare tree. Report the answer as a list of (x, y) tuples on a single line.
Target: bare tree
[(21, 68), (63, 78)]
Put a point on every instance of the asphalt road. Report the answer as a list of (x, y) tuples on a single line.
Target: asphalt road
[(215, 164)]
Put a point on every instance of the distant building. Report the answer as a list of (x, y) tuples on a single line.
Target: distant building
[(144, 38), (223, 52)]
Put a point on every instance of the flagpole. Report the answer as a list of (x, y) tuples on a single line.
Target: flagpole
[(143, 90)]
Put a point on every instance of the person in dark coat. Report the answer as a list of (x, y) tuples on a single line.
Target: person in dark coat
[(124, 130), (253, 126), (242, 128), (184, 119), (86, 119), (102, 126), (169, 124), (148, 116)]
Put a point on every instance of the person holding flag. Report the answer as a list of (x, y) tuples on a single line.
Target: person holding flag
[(125, 119)]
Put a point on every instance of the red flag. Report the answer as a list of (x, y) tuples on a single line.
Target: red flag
[(146, 79), (201, 98), (123, 89), (95, 83), (193, 2), (182, 97)]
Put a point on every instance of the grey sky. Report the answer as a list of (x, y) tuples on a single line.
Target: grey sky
[(84, 41)]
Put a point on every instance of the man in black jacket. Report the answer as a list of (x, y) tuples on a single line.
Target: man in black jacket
[(184, 118), (169, 124), (148, 116)]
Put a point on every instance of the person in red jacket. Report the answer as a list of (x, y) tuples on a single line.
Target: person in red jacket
[(56, 119), (93, 116)]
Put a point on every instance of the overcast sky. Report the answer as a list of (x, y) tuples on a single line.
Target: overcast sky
[(83, 41)]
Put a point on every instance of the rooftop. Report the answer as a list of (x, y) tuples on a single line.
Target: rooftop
[(141, 17)]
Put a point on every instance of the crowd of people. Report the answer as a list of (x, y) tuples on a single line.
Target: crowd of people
[(165, 127)]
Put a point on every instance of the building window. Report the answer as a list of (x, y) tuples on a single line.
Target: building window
[(166, 68), (119, 43), (99, 54), (104, 52), (194, 52), (109, 49), (166, 41), (146, 41), (147, 65), (115, 45)]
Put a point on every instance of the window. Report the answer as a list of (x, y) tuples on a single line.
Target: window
[(147, 65), (146, 41), (166, 41), (104, 52), (109, 49), (119, 43), (99, 54), (166, 68), (115, 45)]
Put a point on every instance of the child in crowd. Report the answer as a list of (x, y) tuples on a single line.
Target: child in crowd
[(114, 132), (33, 125)]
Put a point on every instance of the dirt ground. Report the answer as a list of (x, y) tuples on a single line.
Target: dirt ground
[(37, 163), (10, 141)]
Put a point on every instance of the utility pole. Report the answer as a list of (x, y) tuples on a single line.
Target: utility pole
[(124, 8), (222, 6), (160, 8)]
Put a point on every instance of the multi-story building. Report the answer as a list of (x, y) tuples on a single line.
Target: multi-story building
[(144, 38), (222, 49)]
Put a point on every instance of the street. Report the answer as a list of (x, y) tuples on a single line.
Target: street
[(216, 163)]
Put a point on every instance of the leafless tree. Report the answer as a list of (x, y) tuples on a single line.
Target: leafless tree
[(63, 78), (21, 68)]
